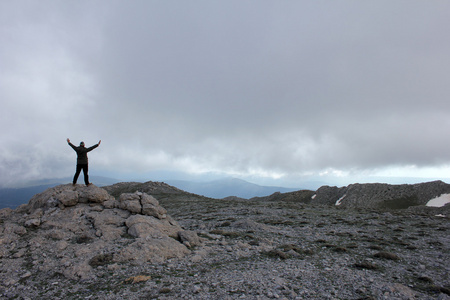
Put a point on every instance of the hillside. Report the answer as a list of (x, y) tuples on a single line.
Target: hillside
[(381, 196), (368, 196)]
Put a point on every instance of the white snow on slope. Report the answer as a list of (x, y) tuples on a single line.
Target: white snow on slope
[(340, 200), (439, 201)]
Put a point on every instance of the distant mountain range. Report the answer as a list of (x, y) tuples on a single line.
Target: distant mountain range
[(97, 180), (228, 187), (13, 197)]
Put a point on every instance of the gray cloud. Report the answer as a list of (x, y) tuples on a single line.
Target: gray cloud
[(239, 87)]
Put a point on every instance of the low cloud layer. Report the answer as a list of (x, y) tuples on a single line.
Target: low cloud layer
[(242, 88)]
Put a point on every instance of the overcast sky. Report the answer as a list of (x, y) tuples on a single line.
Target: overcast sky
[(259, 90)]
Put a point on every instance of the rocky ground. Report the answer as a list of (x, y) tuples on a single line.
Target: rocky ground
[(261, 249)]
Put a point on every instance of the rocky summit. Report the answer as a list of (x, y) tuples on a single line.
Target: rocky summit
[(153, 241), (70, 230)]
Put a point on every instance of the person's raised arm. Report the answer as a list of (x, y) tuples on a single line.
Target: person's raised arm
[(70, 144), (93, 147)]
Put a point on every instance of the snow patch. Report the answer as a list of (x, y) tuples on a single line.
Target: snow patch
[(439, 201), (339, 202), (313, 196)]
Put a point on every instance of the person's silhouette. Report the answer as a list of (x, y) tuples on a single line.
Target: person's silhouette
[(82, 160)]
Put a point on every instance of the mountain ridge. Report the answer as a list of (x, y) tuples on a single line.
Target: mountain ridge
[(369, 195), (221, 188)]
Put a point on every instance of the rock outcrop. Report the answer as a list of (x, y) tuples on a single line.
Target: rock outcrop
[(73, 229)]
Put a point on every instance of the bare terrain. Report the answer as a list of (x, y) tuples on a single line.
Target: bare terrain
[(262, 248)]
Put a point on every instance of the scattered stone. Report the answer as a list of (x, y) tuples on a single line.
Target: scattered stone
[(366, 265), (26, 275), (425, 279), (277, 254), (101, 260), (387, 255), (137, 279), (189, 238), (165, 290)]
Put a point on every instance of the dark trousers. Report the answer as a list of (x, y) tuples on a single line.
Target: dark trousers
[(85, 172)]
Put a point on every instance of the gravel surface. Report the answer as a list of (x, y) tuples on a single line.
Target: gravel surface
[(254, 249)]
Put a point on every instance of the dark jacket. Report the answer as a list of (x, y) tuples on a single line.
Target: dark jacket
[(82, 151)]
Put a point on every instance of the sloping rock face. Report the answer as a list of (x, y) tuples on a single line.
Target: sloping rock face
[(72, 229), (380, 196)]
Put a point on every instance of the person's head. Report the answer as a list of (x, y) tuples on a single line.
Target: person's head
[(82, 144)]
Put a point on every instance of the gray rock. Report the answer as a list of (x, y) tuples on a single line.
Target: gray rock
[(32, 223), (141, 203), (131, 202), (68, 197), (189, 238), (154, 211), (143, 230), (5, 213), (151, 249), (92, 194), (164, 226)]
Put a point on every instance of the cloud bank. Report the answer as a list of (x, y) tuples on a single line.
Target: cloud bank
[(242, 88)]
